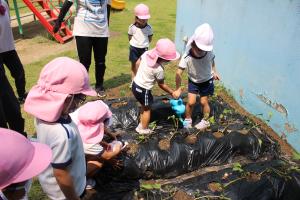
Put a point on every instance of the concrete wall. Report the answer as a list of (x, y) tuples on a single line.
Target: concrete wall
[(257, 47)]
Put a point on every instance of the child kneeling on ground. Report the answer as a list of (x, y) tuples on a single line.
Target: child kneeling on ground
[(93, 120), (151, 70)]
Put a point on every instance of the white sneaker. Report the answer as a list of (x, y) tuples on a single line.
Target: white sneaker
[(90, 184), (187, 123), (202, 125), (142, 131)]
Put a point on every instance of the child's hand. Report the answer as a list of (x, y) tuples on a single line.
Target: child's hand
[(109, 147), (176, 94), (216, 76)]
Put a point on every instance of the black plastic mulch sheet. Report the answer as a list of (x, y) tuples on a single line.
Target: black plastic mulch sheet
[(272, 180), (152, 158)]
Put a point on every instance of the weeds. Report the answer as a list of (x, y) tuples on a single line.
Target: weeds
[(175, 121)]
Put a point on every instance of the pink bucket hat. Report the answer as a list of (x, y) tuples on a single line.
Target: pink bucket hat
[(59, 78), (142, 11), (164, 49), (91, 117), (20, 158), (203, 37)]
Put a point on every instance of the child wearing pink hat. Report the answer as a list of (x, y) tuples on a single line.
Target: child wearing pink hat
[(20, 161), (140, 35), (201, 69), (151, 70), (62, 86), (93, 120)]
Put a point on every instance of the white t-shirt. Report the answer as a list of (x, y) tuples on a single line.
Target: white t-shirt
[(147, 76), (6, 35), (67, 152), (140, 36), (91, 18), (199, 69)]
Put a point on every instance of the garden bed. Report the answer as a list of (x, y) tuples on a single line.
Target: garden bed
[(167, 161)]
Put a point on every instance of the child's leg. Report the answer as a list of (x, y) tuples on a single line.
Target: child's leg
[(190, 105), (145, 116), (137, 64), (205, 107), (133, 70)]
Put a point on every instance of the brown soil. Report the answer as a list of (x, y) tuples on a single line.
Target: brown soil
[(191, 139), (132, 149), (118, 104), (253, 177), (215, 187), (164, 144), (218, 134), (181, 195)]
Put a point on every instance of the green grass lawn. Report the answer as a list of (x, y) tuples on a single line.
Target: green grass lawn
[(163, 17)]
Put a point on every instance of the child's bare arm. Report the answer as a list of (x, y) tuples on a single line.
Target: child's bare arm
[(129, 37), (65, 183), (109, 132), (150, 38), (215, 73), (175, 94), (178, 77)]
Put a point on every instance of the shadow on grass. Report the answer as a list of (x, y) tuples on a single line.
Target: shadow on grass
[(117, 81)]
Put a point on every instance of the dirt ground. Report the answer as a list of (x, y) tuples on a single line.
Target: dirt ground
[(35, 44)]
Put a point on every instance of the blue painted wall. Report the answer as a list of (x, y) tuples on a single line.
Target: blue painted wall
[(257, 47)]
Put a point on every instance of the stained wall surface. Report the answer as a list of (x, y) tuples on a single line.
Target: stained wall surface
[(257, 48)]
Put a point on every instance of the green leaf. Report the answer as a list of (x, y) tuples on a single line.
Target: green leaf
[(296, 156), (237, 167), (270, 115), (226, 111), (171, 117), (141, 137), (259, 142), (212, 120), (152, 125), (151, 186)]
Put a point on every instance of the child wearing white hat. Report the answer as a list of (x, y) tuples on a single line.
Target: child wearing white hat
[(199, 62)]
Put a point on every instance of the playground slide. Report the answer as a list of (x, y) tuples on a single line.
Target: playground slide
[(118, 4)]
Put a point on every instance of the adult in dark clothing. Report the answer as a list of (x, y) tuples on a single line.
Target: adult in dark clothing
[(91, 33), (8, 54), (10, 111)]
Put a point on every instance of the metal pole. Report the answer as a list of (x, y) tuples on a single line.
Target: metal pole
[(18, 17)]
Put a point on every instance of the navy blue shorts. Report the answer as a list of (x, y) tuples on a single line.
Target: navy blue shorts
[(135, 53), (142, 95), (204, 89)]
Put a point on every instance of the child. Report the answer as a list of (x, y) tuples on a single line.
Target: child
[(93, 120), (151, 70), (20, 161), (139, 35), (200, 65), (62, 85)]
